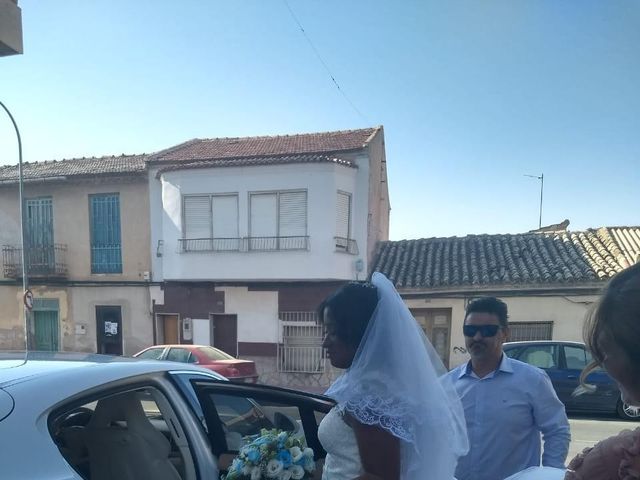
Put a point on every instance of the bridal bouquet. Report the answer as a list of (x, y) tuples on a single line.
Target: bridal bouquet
[(273, 454)]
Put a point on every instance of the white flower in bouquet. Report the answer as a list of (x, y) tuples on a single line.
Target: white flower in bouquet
[(307, 452), (246, 470), (256, 474), (285, 475), (296, 454), (309, 465), (297, 472), (274, 468)]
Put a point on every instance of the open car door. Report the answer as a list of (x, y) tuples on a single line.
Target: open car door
[(235, 411)]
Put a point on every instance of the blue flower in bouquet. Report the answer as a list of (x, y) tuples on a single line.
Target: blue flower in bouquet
[(285, 457), (253, 454)]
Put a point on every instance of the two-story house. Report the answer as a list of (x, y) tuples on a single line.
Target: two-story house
[(86, 254), (248, 235)]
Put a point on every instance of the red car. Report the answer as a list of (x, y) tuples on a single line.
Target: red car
[(204, 356)]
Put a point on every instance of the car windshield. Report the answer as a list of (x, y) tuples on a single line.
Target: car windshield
[(214, 354)]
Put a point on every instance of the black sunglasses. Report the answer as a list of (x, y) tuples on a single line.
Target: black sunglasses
[(485, 330)]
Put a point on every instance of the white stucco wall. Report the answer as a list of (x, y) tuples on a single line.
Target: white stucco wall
[(257, 313), (322, 181)]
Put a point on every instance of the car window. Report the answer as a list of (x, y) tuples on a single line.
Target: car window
[(233, 412), (113, 433), (576, 357), (180, 355), (152, 353), (541, 356), (214, 354)]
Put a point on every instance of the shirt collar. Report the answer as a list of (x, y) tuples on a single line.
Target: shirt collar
[(505, 366)]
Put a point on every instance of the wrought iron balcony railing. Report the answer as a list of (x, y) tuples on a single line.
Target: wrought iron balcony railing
[(41, 260), (346, 245), (243, 244)]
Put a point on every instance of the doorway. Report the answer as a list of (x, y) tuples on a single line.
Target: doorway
[(109, 329), (436, 324), (46, 330), (168, 329), (225, 333)]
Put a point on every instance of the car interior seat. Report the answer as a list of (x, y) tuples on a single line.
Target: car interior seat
[(124, 445), (540, 359)]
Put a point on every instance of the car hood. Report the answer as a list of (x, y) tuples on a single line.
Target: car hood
[(6, 404)]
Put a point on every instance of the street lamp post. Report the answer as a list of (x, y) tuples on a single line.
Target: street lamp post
[(25, 280)]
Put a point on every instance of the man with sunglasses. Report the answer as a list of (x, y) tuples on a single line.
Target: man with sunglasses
[(507, 404)]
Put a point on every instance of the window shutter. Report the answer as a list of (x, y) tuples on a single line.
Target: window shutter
[(225, 216), (197, 223), (293, 214), (343, 215), (263, 215)]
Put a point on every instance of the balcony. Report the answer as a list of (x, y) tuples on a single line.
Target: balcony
[(243, 244), (346, 245), (44, 261)]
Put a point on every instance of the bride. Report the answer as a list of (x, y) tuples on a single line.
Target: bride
[(395, 417)]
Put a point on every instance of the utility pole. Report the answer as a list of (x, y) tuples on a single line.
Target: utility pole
[(25, 279), (541, 178)]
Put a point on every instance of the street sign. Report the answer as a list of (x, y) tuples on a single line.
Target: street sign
[(27, 298)]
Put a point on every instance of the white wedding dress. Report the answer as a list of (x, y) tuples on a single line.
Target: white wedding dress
[(339, 440)]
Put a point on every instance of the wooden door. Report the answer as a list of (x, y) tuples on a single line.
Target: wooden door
[(170, 329), (225, 333), (46, 330), (436, 324)]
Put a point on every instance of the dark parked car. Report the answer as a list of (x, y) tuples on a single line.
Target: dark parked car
[(563, 362), (204, 356)]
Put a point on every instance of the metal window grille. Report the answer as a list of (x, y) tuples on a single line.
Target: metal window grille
[(525, 331), (106, 247), (301, 349)]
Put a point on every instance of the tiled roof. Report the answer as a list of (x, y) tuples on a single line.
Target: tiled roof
[(75, 167), (254, 161), (509, 260), (218, 148)]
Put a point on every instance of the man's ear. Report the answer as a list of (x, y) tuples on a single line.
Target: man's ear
[(507, 333)]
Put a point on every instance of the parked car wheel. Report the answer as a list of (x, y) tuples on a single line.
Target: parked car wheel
[(627, 412)]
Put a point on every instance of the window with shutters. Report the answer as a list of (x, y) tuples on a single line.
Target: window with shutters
[(106, 247), (343, 239), (210, 223), (278, 221)]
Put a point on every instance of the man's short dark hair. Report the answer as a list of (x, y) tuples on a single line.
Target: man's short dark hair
[(490, 305)]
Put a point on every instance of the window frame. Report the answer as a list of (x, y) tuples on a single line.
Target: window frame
[(93, 265), (278, 235), (210, 196)]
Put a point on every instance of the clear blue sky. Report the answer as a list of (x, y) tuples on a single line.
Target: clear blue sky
[(472, 94)]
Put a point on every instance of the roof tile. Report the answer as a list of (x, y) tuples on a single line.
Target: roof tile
[(546, 258)]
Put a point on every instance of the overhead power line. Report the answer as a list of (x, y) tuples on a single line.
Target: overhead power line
[(324, 64)]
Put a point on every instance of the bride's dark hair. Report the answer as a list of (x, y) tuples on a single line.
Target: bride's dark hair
[(352, 306)]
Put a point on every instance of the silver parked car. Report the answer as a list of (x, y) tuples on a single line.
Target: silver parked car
[(86, 416)]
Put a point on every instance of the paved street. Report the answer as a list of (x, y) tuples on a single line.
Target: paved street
[(586, 431)]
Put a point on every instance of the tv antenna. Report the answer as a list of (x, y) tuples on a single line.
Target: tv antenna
[(541, 178)]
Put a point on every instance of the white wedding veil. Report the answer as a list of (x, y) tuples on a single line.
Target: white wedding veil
[(396, 382)]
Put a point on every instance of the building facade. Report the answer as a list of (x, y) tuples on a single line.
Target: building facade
[(86, 254), (250, 234)]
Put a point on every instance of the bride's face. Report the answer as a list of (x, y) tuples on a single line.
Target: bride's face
[(340, 353)]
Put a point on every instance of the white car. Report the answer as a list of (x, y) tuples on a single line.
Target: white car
[(86, 416)]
